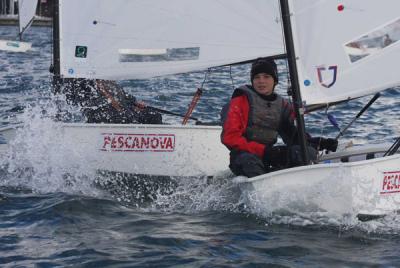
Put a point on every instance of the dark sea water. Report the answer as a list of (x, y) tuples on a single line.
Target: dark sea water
[(50, 220)]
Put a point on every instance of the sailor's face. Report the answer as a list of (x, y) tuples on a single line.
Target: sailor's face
[(264, 83)]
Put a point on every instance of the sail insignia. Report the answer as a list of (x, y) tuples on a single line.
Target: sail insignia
[(331, 70), (81, 51)]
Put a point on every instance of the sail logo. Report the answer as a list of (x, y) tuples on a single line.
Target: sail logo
[(390, 182), (113, 142), (327, 74), (81, 51)]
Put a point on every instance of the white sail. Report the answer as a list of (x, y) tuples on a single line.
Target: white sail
[(342, 47), (27, 10), (130, 39)]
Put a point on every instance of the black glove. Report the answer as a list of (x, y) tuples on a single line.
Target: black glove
[(275, 156), (323, 144), (329, 144)]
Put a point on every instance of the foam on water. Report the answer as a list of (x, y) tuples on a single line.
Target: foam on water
[(201, 194)]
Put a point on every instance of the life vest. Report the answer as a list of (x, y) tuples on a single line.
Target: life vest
[(264, 116)]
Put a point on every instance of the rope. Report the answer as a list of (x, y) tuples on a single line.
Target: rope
[(193, 104)]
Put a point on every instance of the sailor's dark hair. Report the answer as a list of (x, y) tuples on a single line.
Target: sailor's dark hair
[(264, 65)]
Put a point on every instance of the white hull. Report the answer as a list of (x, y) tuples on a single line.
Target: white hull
[(369, 187), (15, 46), (160, 150)]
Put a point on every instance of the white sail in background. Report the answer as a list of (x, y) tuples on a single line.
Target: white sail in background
[(27, 10), (346, 49), (129, 39)]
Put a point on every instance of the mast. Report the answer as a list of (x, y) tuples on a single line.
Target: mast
[(294, 79), (55, 69), (19, 21)]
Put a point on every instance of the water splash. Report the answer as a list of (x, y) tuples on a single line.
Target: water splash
[(40, 159), (193, 195)]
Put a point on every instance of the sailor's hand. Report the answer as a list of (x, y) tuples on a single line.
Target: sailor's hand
[(329, 144), (140, 105), (275, 155)]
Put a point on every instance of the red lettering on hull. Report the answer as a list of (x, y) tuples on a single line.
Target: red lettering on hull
[(390, 182), (116, 142)]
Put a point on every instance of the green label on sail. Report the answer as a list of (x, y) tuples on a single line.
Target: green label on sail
[(80, 51), (12, 44)]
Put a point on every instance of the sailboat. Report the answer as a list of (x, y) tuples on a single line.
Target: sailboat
[(112, 40), (322, 71), (26, 13)]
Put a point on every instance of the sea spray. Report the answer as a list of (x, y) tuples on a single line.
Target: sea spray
[(41, 159), (317, 201), (195, 194)]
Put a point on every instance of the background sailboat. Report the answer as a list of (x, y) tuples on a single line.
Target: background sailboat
[(26, 13), (152, 38)]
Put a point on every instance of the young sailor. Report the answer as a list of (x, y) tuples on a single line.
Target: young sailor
[(255, 117), (104, 101)]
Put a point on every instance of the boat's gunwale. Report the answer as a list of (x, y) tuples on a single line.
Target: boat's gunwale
[(138, 126), (240, 180)]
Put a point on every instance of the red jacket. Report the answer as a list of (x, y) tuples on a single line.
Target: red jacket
[(234, 128)]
